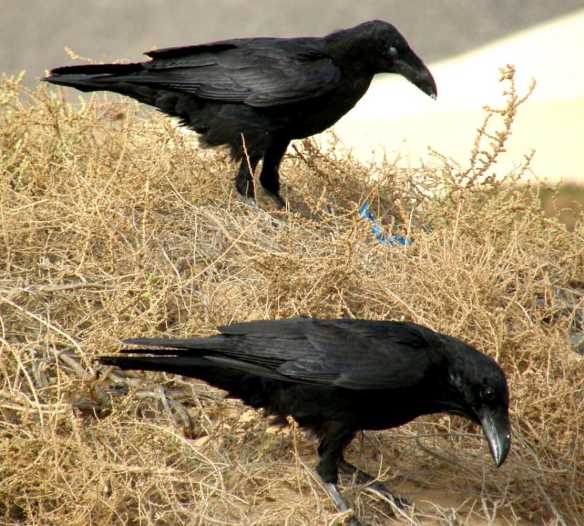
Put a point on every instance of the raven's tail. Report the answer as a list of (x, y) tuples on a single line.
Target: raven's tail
[(92, 77), (193, 358), (198, 358), (184, 365), (119, 78)]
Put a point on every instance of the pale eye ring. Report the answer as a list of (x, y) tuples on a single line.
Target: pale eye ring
[(392, 51)]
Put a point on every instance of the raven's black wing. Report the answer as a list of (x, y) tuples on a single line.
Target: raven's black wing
[(258, 72), (353, 354)]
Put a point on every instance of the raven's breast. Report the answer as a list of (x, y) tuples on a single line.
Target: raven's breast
[(306, 118)]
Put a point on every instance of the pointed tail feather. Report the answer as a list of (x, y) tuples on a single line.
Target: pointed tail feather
[(165, 344), (184, 365), (91, 77), (221, 373)]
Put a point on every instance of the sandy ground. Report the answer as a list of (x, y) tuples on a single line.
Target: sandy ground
[(397, 119)]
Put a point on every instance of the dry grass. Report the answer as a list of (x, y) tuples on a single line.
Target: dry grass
[(113, 225)]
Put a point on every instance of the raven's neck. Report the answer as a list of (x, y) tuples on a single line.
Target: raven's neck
[(351, 51)]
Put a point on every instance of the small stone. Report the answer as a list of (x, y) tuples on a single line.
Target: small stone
[(577, 341)]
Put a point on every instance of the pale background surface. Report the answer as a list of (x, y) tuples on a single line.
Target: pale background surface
[(448, 34), (551, 122)]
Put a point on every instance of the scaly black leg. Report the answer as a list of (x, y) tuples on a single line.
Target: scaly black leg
[(270, 178), (244, 177), (334, 439)]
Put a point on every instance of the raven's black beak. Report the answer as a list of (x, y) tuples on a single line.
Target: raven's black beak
[(412, 68), (497, 431)]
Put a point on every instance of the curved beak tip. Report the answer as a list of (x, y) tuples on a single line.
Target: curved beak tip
[(499, 445), (428, 86), (501, 451), (497, 431)]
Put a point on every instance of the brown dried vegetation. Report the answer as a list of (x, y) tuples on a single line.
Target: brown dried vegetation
[(114, 225)]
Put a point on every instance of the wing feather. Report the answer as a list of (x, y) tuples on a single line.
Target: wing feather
[(258, 72), (351, 354)]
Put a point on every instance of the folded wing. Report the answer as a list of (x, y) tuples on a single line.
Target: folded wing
[(257, 72), (351, 354)]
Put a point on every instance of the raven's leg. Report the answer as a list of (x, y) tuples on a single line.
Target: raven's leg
[(244, 177), (270, 178), (378, 487), (334, 439)]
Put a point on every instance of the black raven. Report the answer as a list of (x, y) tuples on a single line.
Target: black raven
[(257, 94), (337, 377)]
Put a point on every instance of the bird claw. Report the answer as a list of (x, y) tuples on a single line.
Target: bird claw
[(374, 486), (278, 201), (249, 201), (340, 503), (400, 503)]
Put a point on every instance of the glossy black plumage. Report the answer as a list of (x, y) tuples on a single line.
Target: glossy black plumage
[(337, 377), (263, 92)]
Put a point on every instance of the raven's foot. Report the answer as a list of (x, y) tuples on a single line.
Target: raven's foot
[(340, 502), (249, 201), (280, 203), (374, 485)]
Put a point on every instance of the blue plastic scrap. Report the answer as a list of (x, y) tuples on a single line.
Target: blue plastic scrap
[(366, 213)]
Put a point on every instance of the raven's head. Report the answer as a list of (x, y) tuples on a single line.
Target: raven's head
[(392, 54), (479, 392)]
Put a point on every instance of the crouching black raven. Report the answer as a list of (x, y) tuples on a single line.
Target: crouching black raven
[(337, 377), (261, 92)]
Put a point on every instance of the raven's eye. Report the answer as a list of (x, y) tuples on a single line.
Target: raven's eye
[(488, 394), (392, 51)]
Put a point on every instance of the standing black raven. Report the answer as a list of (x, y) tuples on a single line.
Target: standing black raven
[(337, 377), (259, 92)]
